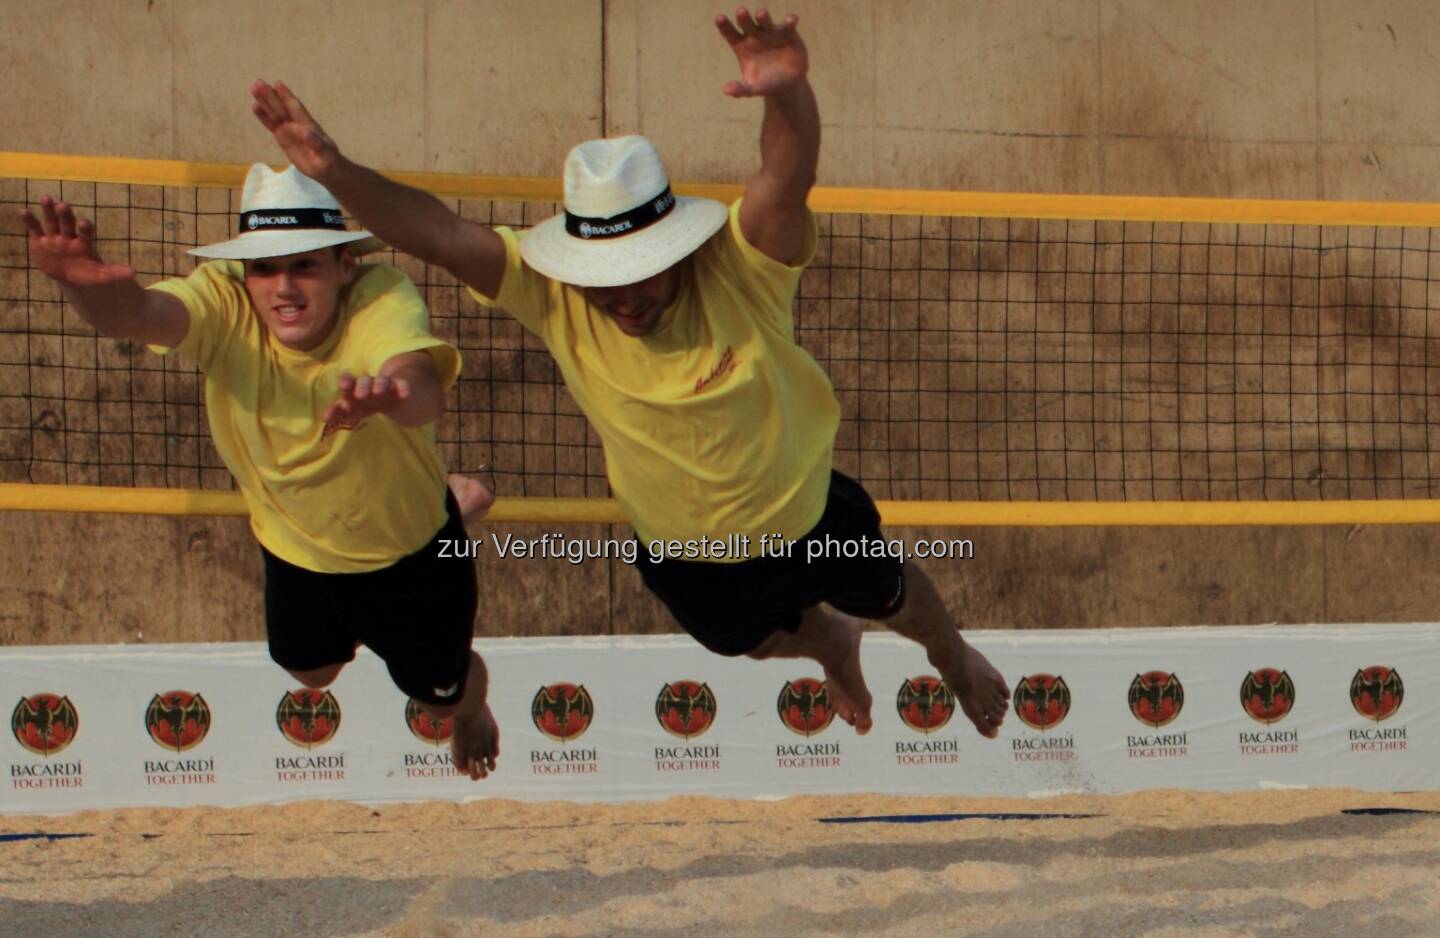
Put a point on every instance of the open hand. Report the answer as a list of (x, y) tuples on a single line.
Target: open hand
[(64, 249), (363, 396), (772, 58), (306, 145)]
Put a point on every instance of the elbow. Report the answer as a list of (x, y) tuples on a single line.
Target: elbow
[(804, 182), (425, 412), (790, 184)]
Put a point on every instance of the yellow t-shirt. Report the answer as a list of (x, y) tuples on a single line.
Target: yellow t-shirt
[(715, 424), (344, 502)]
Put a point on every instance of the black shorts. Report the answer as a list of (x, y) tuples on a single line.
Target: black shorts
[(418, 615), (731, 608)]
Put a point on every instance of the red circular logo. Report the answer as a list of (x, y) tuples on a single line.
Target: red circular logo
[(1377, 692), (1042, 701), (562, 712), (925, 703), (1156, 698), (177, 720), (308, 717), (1267, 695), (685, 708), (425, 727), (804, 706), (44, 723)]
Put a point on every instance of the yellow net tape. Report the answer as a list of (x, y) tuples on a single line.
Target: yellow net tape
[(822, 198), (154, 501)]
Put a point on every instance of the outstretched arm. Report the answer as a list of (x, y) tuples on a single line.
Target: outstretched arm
[(413, 221), (774, 65), (107, 296), (408, 390)]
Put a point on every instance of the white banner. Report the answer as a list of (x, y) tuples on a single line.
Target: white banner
[(614, 719)]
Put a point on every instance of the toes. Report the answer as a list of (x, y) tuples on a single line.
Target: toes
[(986, 719), (472, 767)]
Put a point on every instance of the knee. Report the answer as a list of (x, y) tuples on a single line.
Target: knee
[(438, 711), (473, 497), (318, 677), (766, 648)]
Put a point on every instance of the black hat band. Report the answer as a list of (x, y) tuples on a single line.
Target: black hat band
[(643, 216), (291, 218)]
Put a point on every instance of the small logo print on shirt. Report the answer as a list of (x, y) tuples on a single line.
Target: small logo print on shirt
[(723, 367), (335, 424)]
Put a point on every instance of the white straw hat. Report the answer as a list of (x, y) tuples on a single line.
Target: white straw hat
[(286, 213), (621, 222)]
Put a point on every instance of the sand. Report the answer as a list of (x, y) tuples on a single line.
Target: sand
[(1174, 864)]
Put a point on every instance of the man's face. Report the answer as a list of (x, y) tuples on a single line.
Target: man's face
[(636, 307), (298, 295)]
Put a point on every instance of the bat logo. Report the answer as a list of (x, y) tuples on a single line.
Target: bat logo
[(562, 712), (425, 727), (177, 720), (1267, 695), (44, 723), (1042, 701), (925, 703), (1377, 692), (1156, 698), (804, 706), (685, 708), (308, 717)]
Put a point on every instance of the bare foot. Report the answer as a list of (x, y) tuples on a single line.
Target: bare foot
[(473, 496), (474, 736), (475, 743), (846, 682), (980, 689)]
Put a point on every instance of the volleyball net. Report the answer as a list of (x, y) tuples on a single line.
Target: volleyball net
[(1031, 357)]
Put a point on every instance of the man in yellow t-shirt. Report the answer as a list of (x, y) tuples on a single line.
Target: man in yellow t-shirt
[(670, 320), (322, 383)]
